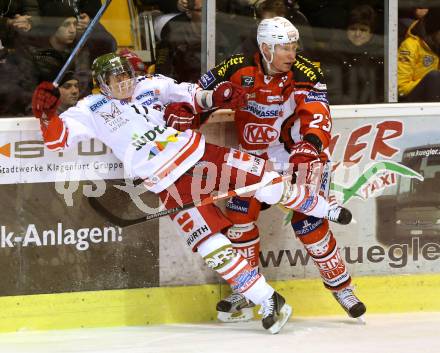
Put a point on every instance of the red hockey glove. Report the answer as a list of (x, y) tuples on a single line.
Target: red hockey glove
[(305, 160), (229, 95), (181, 116), (45, 101)]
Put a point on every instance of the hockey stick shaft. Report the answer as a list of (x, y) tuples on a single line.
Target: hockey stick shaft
[(81, 42), (209, 200)]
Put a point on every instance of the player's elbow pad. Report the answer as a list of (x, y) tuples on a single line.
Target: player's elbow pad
[(203, 100)]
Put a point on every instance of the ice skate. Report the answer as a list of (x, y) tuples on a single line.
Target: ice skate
[(235, 308), (275, 313), (351, 304), (338, 214)]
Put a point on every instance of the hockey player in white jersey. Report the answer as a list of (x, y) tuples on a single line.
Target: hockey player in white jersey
[(177, 165)]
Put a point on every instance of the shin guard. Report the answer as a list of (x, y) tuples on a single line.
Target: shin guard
[(321, 245)]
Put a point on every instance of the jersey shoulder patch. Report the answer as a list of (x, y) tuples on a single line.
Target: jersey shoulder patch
[(306, 72), (231, 64), (224, 70)]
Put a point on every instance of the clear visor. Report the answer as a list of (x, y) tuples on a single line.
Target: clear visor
[(118, 82), (121, 73)]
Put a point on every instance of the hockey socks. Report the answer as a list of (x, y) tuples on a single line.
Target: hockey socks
[(219, 255)]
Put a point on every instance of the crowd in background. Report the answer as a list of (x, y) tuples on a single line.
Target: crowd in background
[(344, 37)]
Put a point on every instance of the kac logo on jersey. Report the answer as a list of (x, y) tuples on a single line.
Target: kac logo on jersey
[(260, 133)]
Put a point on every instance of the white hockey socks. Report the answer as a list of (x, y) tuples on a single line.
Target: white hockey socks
[(219, 255)]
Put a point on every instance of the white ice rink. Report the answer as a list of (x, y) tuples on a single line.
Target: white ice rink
[(396, 333)]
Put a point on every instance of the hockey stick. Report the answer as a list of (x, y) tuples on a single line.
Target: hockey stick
[(81, 42), (209, 200)]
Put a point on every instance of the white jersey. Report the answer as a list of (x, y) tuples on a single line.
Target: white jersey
[(136, 130)]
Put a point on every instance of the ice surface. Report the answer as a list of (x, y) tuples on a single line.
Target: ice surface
[(396, 333)]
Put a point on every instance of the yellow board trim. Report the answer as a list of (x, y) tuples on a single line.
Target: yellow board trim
[(137, 307), (116, 20)]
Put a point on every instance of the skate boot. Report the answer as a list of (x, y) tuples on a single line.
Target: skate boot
[(338, 214), (235, 308), (275, 313), (350, 303)]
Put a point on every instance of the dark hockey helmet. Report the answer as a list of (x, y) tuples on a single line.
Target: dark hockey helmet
[(114, 75)]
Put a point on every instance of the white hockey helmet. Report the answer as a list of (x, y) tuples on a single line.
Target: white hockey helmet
[(276, 30)]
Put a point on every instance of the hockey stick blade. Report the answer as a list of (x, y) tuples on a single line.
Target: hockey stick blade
[(209, 200), (81, 42)]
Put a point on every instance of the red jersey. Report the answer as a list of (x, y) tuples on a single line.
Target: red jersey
[(299, 95)]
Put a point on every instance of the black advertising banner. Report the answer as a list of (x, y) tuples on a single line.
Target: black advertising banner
[(47, 246)]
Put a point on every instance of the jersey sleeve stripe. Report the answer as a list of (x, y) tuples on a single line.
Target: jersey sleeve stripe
[(62, 137), (55, 134)]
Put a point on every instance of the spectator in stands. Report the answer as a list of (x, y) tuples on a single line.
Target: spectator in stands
[(355, 65), (12, 19), (88, 7), (263, 9), (42, 52), (244, 8), (169, 6), (12, 100), (99, 43), (297, 17), (407, 17), (418, 60), (69, 92), (272, 8), (178, 54)]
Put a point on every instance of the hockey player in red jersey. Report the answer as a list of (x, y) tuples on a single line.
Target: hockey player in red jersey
[(287, 119), (129, 117)]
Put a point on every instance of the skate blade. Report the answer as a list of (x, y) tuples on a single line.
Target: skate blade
[(285, 313), (243, 315), (361, 320)]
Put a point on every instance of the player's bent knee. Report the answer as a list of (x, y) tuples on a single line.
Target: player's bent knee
[(245, 239), (242, 232), (213, 244), (241, 210)]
